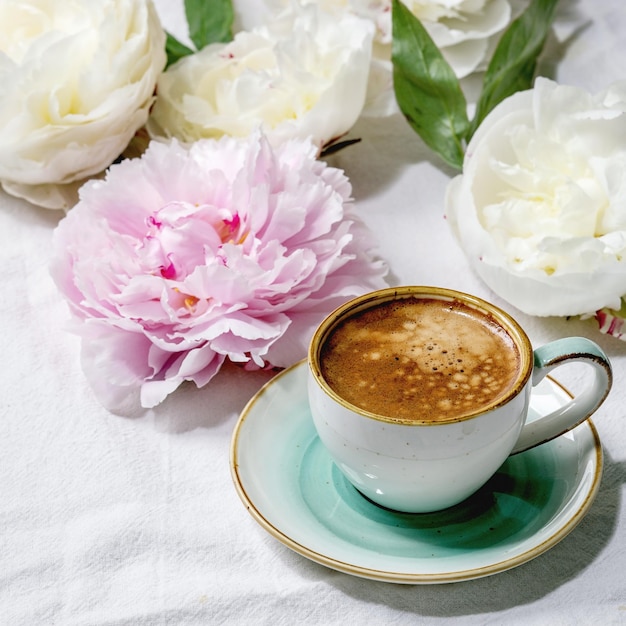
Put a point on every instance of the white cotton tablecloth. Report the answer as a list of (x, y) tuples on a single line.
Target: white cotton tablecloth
[(133, 520)]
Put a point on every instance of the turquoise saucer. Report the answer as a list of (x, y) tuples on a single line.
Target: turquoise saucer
[(291, 487)]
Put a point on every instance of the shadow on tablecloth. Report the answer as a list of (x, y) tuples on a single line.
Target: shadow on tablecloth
[(523, 585)]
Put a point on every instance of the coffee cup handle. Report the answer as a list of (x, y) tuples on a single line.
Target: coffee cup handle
[(548, 358)]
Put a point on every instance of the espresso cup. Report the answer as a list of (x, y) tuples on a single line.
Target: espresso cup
[(421, 393)]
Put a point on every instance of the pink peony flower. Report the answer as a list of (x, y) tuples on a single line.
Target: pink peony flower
[(192, 255)]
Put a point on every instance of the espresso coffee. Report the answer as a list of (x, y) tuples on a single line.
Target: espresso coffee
[(420, 359)]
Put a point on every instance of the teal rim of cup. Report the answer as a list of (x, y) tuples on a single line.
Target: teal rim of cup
[(373, 298)]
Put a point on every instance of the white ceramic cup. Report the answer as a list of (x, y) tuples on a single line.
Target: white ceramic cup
[(424, 464)]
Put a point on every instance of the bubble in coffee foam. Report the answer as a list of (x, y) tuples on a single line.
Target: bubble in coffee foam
[(415, 358)]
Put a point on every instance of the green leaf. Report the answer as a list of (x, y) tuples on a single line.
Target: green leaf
[(209, 21), (514, 61), (427, 89), (175, 49)]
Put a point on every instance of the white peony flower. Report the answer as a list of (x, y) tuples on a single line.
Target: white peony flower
[(76, 82), (540, 208), (303, 75), (465, 31)]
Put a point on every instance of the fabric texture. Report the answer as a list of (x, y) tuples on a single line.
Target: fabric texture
[(132, 519)]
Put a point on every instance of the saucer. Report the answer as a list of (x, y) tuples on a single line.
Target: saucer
[(292, 488)]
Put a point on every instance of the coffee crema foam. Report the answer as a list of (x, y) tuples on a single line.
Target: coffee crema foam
[(420, 359)]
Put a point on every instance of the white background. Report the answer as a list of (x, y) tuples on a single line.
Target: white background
[(134, 520)]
